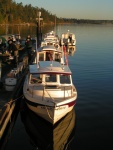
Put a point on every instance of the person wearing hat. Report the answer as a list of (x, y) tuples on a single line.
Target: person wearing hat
[(28, 44), (13, 51), (28, 41)]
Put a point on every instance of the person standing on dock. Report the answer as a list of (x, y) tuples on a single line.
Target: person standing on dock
[(1, 43), (28, 44), (28, 41), (13, 51)]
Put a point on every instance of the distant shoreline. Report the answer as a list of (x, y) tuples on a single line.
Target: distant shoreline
[(86, 22)]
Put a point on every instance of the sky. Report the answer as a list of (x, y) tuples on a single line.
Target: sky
[(78, 9)]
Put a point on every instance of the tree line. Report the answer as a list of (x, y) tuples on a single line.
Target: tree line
[(12, 12), (17, 13)]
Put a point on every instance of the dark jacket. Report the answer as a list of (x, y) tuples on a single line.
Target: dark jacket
[(11, 48)]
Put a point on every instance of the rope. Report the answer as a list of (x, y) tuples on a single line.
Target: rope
[(50, 97), (14, 100), (48, 113), (47, 93)]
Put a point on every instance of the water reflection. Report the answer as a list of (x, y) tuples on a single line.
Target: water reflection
[(71, 50), (44, 135), (24, 30)]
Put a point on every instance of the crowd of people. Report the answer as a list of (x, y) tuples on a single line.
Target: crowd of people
[(9, 46)]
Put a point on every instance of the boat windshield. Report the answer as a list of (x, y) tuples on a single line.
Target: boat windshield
[(41, 56), (65, 79), (35, 78), (57, 57), (50, 78)]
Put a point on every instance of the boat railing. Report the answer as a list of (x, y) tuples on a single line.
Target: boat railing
[(68, 91), (64, 97), (48, 95)]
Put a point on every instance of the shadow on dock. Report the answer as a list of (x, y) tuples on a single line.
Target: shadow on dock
[(11, 93)]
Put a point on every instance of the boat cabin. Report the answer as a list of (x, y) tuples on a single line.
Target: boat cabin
[(50, 53), (49, 74), (68, 39), (50, 39), (50, 42)]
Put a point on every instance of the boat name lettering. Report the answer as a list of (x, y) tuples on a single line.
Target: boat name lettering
[(44, 107), (57, 108), (61, 107)]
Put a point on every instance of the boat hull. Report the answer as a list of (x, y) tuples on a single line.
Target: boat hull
[(49, 113), (44, 135)]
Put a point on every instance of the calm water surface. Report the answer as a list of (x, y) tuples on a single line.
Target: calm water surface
[(92, 68)]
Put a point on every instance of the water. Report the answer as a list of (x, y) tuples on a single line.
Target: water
[(92, 68)]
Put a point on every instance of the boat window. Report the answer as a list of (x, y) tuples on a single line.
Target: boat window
[(35, 79), (50, 78), (65, 79), (57, 57), (41, 56), (49, 56)]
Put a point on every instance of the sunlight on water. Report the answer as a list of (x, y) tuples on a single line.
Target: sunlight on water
[(92, 67), (92, 72)]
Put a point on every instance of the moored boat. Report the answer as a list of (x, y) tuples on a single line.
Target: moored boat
[(49, 53), (68, 39), (49, 91), (71, 50), (51, 38), (45, 136)]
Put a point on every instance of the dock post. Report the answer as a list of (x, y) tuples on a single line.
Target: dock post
[(39, 26)]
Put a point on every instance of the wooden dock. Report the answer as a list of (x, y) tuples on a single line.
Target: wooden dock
[(8, 97)]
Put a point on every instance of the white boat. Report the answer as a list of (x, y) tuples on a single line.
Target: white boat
[(68, 39), (49, 53), (45, 136), (71, 50), (50, 38), (49, 91)]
